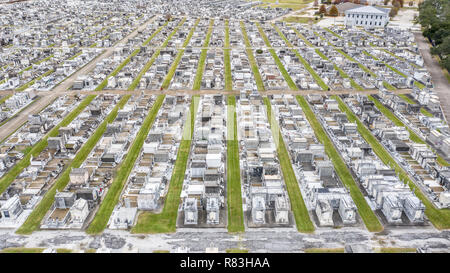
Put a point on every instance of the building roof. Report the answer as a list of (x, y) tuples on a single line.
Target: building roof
[(369, 9)]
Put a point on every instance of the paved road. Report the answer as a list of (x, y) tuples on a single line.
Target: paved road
[(441, 85)]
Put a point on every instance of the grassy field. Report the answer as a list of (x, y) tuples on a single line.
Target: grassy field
[(165, 222), (234, 196), (104, 83), (226, 56), (368, 216), (22, 250), (439, 217), (112, 196), (201, 61), (155, 55), (311, 71), (251, 58), (180, 53), (301, 214), (9, 177), (324, 250), (33, 221)]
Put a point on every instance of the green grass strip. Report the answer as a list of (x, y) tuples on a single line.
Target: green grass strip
[(416, 83), (425, 112), (395, 56), (22, 250), (251, 59), (165, 222), (155, 55), (76, 55), (387, 51), (201, 61), (2, 100), (301, 214), (334, 33), (439, 217), (33, 221), (30, 83), (25, 69), (227, 58), (104, 83), (234, 195), (113, 194), (145, 43), (311, 71), (180, 53), (406, 98), (308, 43), (368, 216), (9, 177), (364, 68), (323, 56)]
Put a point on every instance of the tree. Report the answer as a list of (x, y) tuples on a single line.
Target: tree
[(322, 9), (334, 11), (402, 2), (446, 63), (396, 3), (386, 2), (411, 3), (356, 2)]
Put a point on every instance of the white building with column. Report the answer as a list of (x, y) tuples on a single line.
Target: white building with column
[(367, 16)]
